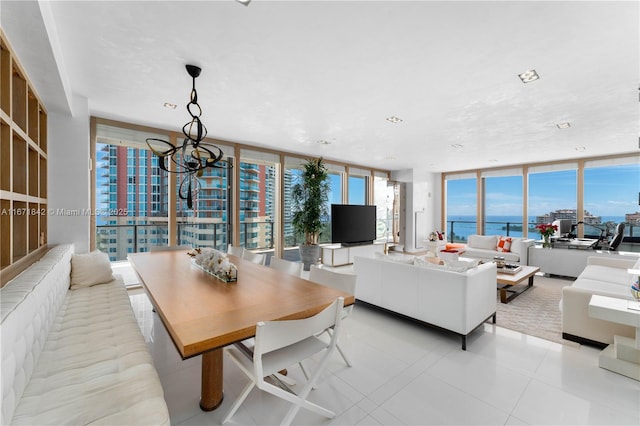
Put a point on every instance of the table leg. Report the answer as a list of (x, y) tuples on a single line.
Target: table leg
[(503, 295), (514, 293), (211, 391)]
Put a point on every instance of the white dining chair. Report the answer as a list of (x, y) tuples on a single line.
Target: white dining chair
[(258, 258), (292, 268), (235, 251), (281, 344), (339, 281)]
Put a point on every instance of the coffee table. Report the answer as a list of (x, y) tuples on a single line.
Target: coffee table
[(203, 314), (509, 280)]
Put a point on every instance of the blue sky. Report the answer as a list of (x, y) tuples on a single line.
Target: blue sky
[(609, 191)]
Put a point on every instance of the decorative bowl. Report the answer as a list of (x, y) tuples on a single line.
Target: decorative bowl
[(635, 293)]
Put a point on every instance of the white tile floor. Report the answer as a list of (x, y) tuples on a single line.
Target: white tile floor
[(404, 373)]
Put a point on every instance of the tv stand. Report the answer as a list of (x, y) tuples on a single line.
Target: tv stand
[(361, 243), (341, 254)]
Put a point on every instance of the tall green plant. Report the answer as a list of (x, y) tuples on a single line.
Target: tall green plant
[(310, 198)]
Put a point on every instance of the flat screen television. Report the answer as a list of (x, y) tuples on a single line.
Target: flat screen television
[(353, 224)]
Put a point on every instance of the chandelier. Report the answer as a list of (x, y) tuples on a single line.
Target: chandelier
[(194, 155)]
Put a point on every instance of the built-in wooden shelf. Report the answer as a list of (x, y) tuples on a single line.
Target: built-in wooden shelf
[(23, 164)]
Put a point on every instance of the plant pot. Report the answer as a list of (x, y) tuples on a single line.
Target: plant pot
[(309, 255)]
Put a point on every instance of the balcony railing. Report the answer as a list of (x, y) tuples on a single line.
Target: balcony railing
[(459, 230), (120, 240)]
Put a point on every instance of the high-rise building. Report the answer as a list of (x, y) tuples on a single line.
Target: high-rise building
[(571, 214), (132, 201)]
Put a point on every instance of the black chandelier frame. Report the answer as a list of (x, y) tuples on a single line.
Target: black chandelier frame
[(195, 155)]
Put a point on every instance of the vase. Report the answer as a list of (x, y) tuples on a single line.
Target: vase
[(309, 255), (546, 241)]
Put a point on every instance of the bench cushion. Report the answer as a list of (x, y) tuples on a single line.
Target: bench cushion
[(95, 366)]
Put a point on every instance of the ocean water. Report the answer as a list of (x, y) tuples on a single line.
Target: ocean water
[(463, 226)]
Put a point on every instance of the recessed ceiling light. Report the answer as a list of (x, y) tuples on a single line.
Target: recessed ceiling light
[(456, 146), (324, 142), (394, 119), (529, 76), (493, 160), (390, 158), (580, 148), (170, 105), (564, 125)]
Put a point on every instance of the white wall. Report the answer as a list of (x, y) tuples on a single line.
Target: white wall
[(68, 174), (422, 195)]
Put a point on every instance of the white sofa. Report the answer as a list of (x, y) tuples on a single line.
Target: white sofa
[(74, 356), (484, 247), (456, 301), (603, 276)]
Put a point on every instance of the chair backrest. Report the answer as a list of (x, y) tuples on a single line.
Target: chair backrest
[(258, 258), (169, 248), (274, 335), (292, 268), (617, 238), (344, 282), (235, 251)]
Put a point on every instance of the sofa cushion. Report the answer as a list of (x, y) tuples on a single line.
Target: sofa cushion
[(602, 287), (90, 269), (617, 276), (490, 254), (504, 244), (485, 242)]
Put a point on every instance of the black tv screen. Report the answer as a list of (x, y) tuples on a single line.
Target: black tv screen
[(353, 224)]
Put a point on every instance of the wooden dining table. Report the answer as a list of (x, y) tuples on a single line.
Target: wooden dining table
[(203, 314)]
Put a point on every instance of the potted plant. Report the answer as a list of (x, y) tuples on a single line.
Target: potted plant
[(310, 199)]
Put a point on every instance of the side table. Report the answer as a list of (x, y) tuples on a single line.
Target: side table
[(623, 356)]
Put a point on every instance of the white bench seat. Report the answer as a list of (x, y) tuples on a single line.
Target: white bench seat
[(80, 358)]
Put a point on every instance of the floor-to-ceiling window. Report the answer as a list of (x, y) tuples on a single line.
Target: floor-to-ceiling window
[(552, 194), (612, 196), (291, 176), (336, 174), (383, 197), (130, 192), (607, 195), (206, 224), (140, 195), (258, 199), (503, 202), (357, 185), (461, 207)]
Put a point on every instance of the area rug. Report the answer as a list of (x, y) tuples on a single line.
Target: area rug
[(536, 312)]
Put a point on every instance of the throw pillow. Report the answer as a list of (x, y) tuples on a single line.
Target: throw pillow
[(90, 269), (504, 244), (487, 242)]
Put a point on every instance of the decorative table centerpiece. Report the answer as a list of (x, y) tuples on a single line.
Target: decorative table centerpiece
[(216, 263), (546, 230)]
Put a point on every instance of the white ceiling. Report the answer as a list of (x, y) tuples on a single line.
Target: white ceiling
[(286, 74)]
